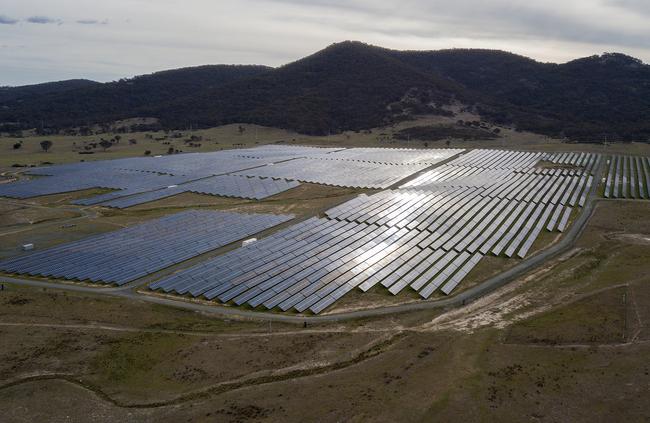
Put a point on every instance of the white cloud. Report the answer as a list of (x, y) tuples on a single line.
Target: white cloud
[(148, 35)]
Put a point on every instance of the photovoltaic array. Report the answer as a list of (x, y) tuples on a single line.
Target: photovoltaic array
[(381, 168), (426, 235), (628, 177), (254, 173), (224, 185), (143, 179), (122, 256)]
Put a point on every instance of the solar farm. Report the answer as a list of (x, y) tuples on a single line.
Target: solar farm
[(421, 222)]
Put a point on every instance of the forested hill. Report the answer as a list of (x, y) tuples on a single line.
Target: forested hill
[(598, 97), (8, 94), (101, 103), (346, 86), (351, 85)]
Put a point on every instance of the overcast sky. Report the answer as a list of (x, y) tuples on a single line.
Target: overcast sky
[(46, 40)]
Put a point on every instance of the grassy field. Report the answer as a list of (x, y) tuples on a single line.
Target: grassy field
[(599, 318), (66, 149), (551, 346)]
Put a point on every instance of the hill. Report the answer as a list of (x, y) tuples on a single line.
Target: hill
[(347, 86), (598, 97), (353, 86), (126, 98), (8, 94)]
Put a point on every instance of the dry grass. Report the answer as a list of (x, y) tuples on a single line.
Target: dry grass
[(66, 148), (598, 319)]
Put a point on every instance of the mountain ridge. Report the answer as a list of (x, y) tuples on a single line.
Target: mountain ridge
[(353, 86)]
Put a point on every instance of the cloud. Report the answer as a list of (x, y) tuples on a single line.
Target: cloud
[(92, 22), (274, 32), (5, 20), (635, 6), (42, 20)]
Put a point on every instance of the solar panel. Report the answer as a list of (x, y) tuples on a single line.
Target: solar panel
[(122, 256)]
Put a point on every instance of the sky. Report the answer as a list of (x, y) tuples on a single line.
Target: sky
[(50, 40)]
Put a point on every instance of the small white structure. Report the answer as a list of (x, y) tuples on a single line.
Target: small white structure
[(248, 241), (28, 247)]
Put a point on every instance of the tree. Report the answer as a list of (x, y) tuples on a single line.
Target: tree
[(46, 145), (241, 129), (118, 138), (17, 146), (448, 142), (170, 150), (147, 152), (105, 144)]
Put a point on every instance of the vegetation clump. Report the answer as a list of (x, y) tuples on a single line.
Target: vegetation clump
[(442, 132)]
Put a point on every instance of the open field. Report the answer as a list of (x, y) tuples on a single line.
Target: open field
[(546, 347), (66, 149)]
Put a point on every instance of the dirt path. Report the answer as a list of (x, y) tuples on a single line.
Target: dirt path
[(370, 351), (238, 335)]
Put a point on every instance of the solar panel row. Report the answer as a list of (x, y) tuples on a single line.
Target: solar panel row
[(309, 266), (130, 182), (225, 185), (385, 156), (128, 254), (628, 177), (344, 173), (276, 153), (489, 167), (392, 156), (422, 208)]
